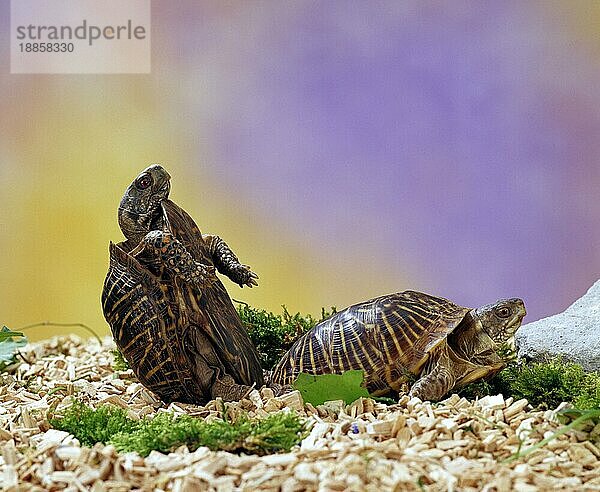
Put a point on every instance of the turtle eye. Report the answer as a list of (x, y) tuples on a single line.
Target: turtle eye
[(143, 182), (503, 312)]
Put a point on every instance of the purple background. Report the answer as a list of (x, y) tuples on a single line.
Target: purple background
[(345, 149)]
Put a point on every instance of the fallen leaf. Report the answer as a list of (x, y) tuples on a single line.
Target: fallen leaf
[(9, 346), (325, 387)]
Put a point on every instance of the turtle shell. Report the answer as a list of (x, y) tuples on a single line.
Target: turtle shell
[(387, 337), (137, 308), (169, 332), (219, 320)]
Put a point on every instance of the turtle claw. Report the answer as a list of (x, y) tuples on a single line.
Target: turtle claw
[(245, 276), (252, 278)]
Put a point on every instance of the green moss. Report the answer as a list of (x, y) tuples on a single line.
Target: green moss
[(92, 426), (278, 432), (589, 398), (545, 384), (274, 334), (165, 432), (119, 362)]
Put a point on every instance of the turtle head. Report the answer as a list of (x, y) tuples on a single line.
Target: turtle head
[(140, 209), (502, 319)]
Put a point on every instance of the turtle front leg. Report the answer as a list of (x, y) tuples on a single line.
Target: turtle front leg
[(175, 258), (437, 380), (228, 264)]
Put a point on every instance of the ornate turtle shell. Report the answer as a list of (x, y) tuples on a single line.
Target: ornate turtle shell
[(157, 321), (221, 322), (388, 337)]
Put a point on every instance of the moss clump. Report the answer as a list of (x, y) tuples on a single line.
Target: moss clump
[(274, 334), (277, 432), (165, 432), (119, 362), (589, 398), (545, 384), (92, 426)]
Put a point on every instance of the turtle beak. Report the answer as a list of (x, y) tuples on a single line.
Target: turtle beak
[(166, 223), (167, 188), (162, 180), (164, 188), (521, 307), (517, 319)]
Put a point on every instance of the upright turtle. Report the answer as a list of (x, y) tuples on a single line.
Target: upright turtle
[(391, 337), (170, 315)]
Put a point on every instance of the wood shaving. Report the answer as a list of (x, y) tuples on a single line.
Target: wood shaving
[(455, 445)]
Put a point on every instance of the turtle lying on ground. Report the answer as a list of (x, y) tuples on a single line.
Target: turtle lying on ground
[(395, 336), (169, 314)]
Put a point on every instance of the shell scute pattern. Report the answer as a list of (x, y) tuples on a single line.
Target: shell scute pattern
[(142, 323), (387, 337)]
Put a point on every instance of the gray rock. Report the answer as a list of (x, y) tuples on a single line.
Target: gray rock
[(573, 334)]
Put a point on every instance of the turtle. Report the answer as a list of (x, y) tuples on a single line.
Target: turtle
[(397, 337), (169, 314)]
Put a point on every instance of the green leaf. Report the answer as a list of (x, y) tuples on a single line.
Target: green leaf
[(324, 387), (9, 346), (6, 333)]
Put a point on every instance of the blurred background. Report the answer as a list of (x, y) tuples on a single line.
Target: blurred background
[(343, 149)]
